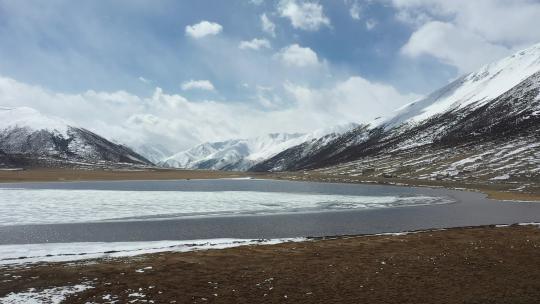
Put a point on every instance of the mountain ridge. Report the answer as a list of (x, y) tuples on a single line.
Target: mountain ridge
[(497, 103)]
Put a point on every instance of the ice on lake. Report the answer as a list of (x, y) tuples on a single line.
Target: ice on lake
[(45, 206)]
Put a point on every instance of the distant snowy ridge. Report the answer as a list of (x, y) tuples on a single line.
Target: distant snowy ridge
[(242, 154), (155, 153)]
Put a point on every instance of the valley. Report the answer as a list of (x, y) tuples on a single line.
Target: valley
[(301, 181)]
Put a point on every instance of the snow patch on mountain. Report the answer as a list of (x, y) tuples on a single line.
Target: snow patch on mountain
[(459, 129), (477, 88)]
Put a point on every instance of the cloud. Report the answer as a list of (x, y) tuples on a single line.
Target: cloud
[(354, 100), (371, 24), (267, 97), (354, 10), (255, 44), (268, 26), (143, 80), (203, 29), (204, 85), (476, 32), (177, 123), (453, 46), (295, 55), (304, 15), (483, 17), (415, 18)]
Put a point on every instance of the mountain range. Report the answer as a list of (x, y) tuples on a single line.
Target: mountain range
[(242, 154), (482, 126)]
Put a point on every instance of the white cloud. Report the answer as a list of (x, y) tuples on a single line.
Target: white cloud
[(268, 26), (255, 44), (303, 15), (415, 18), (483, 17), (203, 29), (178, 123), (204, 85), (144, 80), (295, 55), (267, 97), (475, 31), (452, 45), (353, 100), (354, 10), (371, 24)]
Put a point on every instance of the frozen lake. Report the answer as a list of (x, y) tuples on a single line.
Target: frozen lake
[(52, 206), (117, 211)]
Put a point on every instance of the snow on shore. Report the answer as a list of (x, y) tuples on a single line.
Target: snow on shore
[(63, 252)]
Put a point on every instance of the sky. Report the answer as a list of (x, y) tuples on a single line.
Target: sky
[(178, 73)]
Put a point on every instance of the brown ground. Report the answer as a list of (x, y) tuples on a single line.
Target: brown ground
[(53, 175), (462, 265), (496, 190)]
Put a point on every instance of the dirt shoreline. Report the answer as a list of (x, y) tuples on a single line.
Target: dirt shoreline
[(459, 265), (499, 191), (66, 175)]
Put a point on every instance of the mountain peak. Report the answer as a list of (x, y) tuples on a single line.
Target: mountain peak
[(474, 89), (481, 116)]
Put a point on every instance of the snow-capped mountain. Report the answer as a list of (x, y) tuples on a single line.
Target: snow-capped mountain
[(311, 144), (471, 124), (235, 154), (471, 91), (29, 138), (242, 154)]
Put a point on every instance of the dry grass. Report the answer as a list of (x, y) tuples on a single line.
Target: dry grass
[(48, 175), (462, 265)]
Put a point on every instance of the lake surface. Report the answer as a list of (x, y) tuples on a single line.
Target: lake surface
[(117, 211)]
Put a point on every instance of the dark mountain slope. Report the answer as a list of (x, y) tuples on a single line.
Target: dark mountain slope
[(29, 139), (473, 123)]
